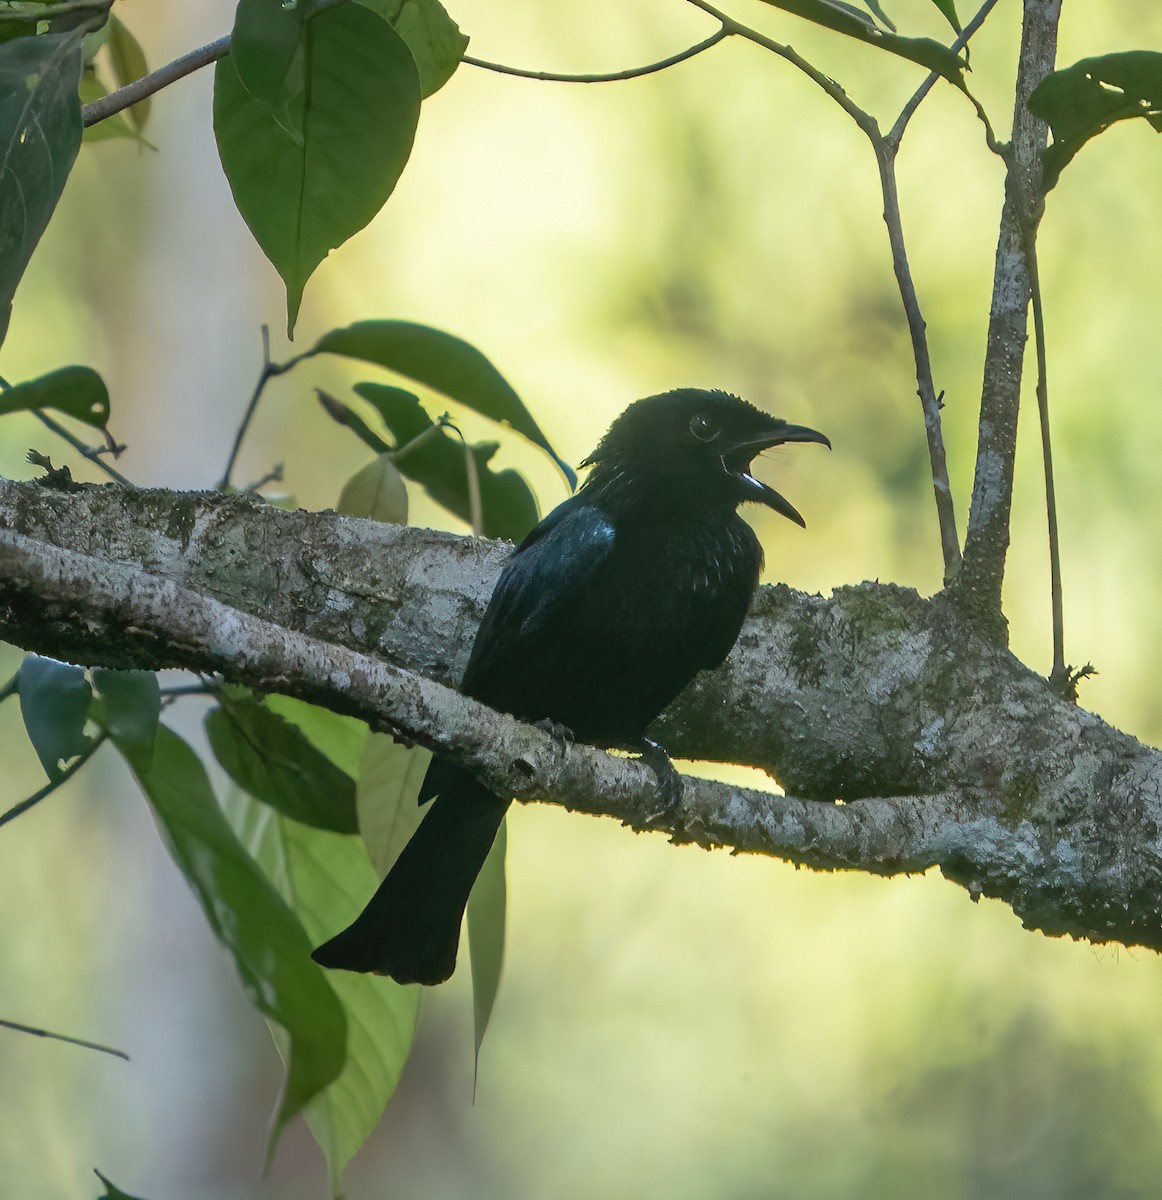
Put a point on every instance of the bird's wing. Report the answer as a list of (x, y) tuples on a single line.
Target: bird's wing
[(548, 571)]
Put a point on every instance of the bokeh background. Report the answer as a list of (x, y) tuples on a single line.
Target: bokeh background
[(672, 1023)]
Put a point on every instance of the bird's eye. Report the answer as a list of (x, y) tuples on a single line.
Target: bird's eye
[(703, 427)]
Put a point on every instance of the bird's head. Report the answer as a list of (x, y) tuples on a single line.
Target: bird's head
[(695, 446)]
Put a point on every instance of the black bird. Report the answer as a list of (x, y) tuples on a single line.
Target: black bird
[(602, 615)]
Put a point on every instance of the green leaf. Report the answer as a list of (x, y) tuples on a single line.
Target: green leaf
[(129, 64), (386, 794), (842, 18), (54, 702), (269, 42), (305, 193), (432, 36), (435, 460), (326, 879), (876, 11), (948, 8), (77, 392), (376, 491), (340, 413), (273, 761), (486, 914), (128, 706), (40, 134), (112, 1191), (1081, 101), (442, 362), (340, 738), (271, 951)]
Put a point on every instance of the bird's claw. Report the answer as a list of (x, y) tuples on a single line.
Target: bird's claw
[(670, 786)]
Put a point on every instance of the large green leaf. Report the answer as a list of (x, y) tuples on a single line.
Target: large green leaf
[(40, 134), (326, 879), (432, 36), (486, 923), (843, 18), (385, 795), (340, 738), (306, 183), (268, 42), (442, 362), (271, 951), (1081, 101), (78, 392), (54, 702), (272, 760), (435, 459), (128, 705)]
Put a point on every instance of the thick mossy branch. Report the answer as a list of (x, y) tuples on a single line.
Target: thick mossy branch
[(945, 750)]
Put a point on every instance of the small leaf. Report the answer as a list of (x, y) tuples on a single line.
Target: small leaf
[(340, 413), (432, 36), (844, 19), (376, 491), (54, 702), (112, 1191), (486, 919), (273, 761), (304, 193), (326, 879), (128, 705), (270, 949), (883, 18), (129, 64), (442, 362), (948, 8), (1081, 101), (40, 134), (435, 459), (78, 392)]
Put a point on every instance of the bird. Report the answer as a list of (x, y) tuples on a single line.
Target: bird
[(601, 616)]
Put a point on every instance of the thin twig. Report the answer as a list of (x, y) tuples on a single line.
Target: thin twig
[(734, 28), (94, 456), (268, 372), (925, 384), (608, 77), (19, 809), (897, 131), (475, 504), (63, 1037), (147, 85)]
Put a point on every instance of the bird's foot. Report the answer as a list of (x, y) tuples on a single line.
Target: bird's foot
[(562, 735), (670, 785)]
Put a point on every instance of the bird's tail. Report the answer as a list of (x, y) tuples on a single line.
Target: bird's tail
[(411, 926)]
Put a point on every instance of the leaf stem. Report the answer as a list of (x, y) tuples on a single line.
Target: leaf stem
[(268, 372)]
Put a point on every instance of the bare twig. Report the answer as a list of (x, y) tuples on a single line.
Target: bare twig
[(269, 371), (896, 133), (607, 77), (148, 85), (19, 809), (94, 456), (63, 1037)]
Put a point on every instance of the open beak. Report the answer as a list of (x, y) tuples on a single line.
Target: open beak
[(737, 461)]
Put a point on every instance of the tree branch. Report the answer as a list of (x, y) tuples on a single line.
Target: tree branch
[(977, 588), (945, 750)]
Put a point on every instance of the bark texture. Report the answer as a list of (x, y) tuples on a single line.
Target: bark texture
[(904, 738)]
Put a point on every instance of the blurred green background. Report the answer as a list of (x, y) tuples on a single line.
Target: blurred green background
[(672, 1023)]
